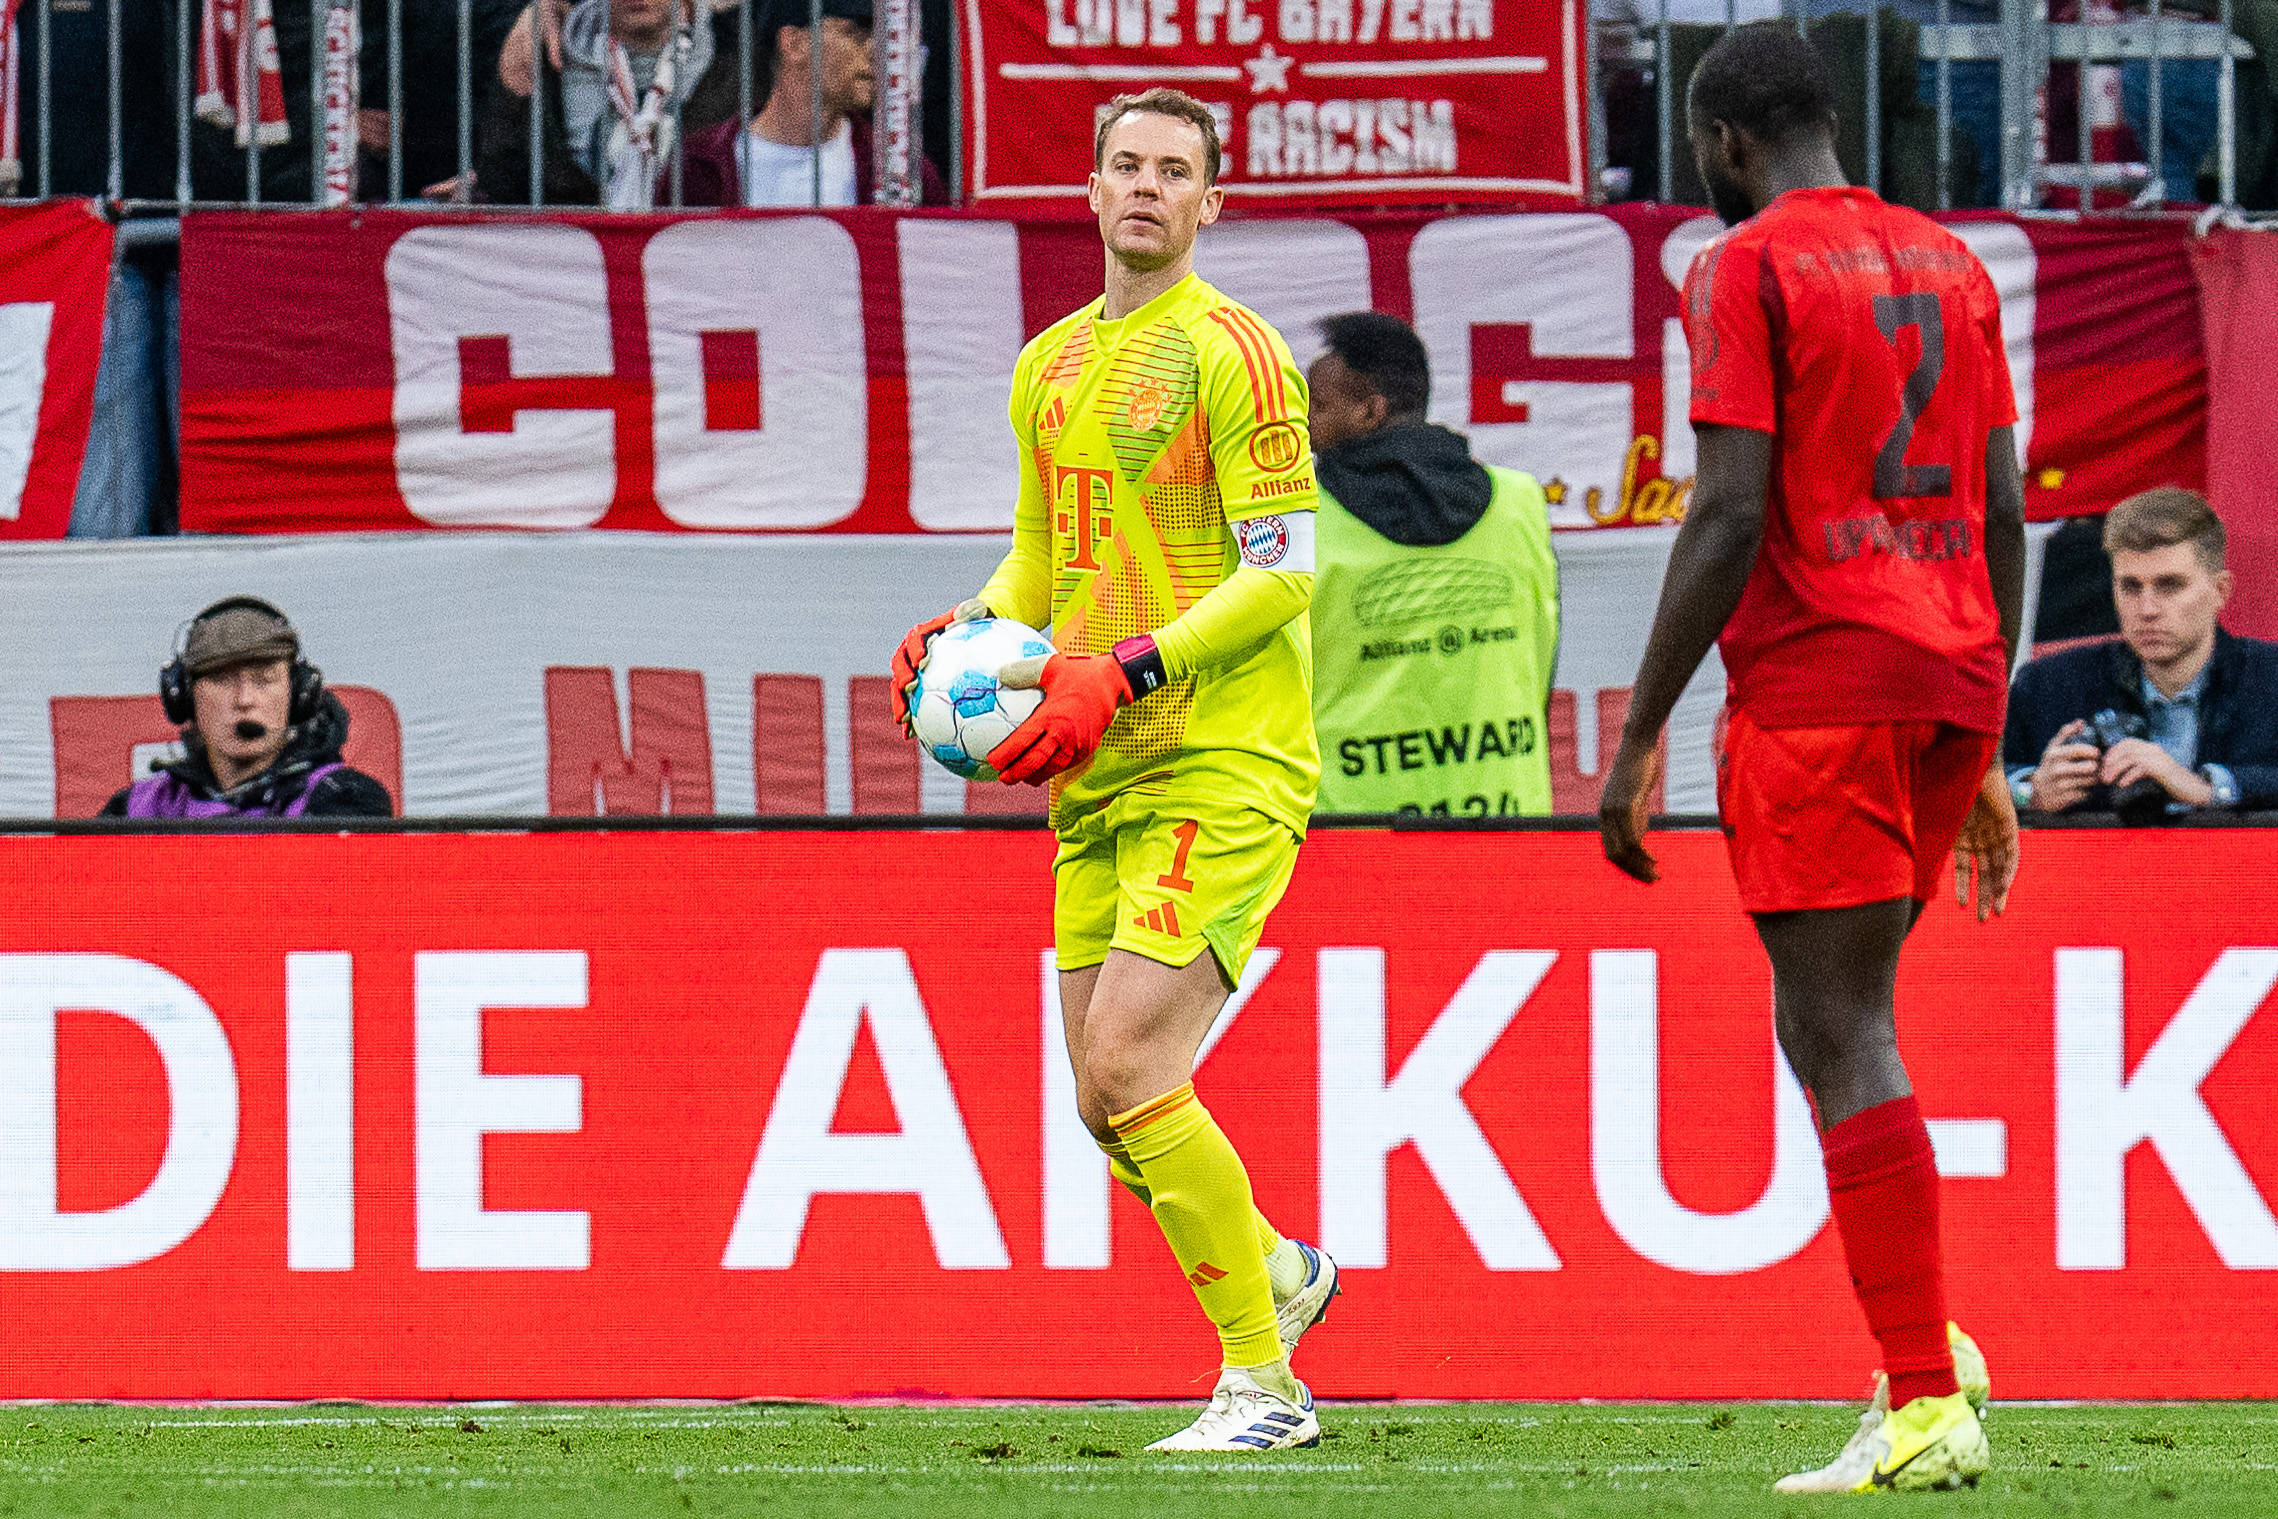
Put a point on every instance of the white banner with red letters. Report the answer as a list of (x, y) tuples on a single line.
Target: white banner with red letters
[(849, 372), (55, 273), (627, 673), (623, 672), (1318, 101)]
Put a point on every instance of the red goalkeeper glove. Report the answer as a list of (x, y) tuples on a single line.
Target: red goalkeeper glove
[(910, 657), (1081, 695)]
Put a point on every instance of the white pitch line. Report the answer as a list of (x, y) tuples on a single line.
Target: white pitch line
[(1408, 68)]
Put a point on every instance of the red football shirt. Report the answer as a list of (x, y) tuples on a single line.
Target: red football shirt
[(1866, 339)]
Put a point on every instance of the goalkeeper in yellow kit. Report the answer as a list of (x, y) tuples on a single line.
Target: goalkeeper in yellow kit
[(1165, 532)]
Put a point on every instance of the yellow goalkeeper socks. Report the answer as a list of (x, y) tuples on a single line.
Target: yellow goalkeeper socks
[(1285, 1263), (1201, 1200)]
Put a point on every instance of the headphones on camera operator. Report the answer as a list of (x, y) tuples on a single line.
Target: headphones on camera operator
[(176, 677)]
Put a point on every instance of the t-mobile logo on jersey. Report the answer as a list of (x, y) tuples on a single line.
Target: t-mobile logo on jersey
[(1082, 518)]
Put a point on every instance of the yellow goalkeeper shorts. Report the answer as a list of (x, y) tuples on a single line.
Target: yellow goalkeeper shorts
[(1168, 877)]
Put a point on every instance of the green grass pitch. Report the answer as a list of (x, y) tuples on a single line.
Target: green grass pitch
[(1552, 1460)]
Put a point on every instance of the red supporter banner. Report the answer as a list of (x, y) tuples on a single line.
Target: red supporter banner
[(2237, 272), (55, 272), (1318, 101), (784, 1114), (849, 372)]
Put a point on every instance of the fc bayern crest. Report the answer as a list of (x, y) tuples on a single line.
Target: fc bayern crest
[(1265, 542)]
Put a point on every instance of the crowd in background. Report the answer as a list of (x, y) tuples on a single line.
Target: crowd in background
[(1909, 91), (604, 65), (698, 45)]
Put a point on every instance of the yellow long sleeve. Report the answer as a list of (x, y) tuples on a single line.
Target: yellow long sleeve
[(1232, 619), (1021, 587)]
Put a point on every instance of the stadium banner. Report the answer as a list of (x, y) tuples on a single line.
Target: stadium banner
[(55, 277), (2238, 293), (586, 674), (785, 1115), (849, 372), (1318, 101)]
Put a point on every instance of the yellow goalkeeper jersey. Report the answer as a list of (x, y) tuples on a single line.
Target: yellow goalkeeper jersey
[(1162, 454)]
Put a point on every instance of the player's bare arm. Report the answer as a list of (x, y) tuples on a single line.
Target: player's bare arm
[(1985, 853), (1708, 569)]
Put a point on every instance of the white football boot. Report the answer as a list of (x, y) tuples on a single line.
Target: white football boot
[(1309, 1304), (1244, 1417), (1856, 1462)]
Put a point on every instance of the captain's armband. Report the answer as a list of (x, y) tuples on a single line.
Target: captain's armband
[(1276, 541)]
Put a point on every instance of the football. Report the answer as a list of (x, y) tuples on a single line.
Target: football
[(960, 712)]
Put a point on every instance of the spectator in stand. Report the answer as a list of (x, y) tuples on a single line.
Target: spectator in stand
[(772, 163), (430, 64), (1435, 596), (262, 735), (631, 73), (2178, 715), (2187, 103)]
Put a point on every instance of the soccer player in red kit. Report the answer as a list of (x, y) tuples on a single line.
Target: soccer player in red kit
[(1855, 545)]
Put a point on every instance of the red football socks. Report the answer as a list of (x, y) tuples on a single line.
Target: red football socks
[(1883, 1183)]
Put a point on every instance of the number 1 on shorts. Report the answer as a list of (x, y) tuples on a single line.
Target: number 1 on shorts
[(1176, 877)]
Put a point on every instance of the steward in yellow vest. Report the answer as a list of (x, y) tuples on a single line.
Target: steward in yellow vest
[(1435, 597)]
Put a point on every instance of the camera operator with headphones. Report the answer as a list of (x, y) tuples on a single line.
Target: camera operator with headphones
[(263, 734)]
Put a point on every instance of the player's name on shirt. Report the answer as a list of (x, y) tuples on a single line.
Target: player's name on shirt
[(1924, 539), (1868, 259)]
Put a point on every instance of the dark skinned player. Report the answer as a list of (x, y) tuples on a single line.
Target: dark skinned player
[(1855, 546)]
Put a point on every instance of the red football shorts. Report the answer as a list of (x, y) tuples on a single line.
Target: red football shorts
[(1837, 817)]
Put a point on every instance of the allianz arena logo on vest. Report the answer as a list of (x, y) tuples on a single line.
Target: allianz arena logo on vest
[(1265, 541)]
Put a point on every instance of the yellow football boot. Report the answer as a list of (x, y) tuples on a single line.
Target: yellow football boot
[(1854, 1470), (1931, 1443)]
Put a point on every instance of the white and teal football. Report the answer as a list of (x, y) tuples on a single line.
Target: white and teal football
[(960, 712)]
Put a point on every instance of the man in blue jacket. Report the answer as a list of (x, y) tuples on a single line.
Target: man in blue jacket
[(2178, 716)]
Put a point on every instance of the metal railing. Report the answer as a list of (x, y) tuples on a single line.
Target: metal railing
[(326, 129), (2022, 45)]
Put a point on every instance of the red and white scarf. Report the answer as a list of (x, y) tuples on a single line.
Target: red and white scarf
[(633, 141), (240, 84), (11, 95)]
